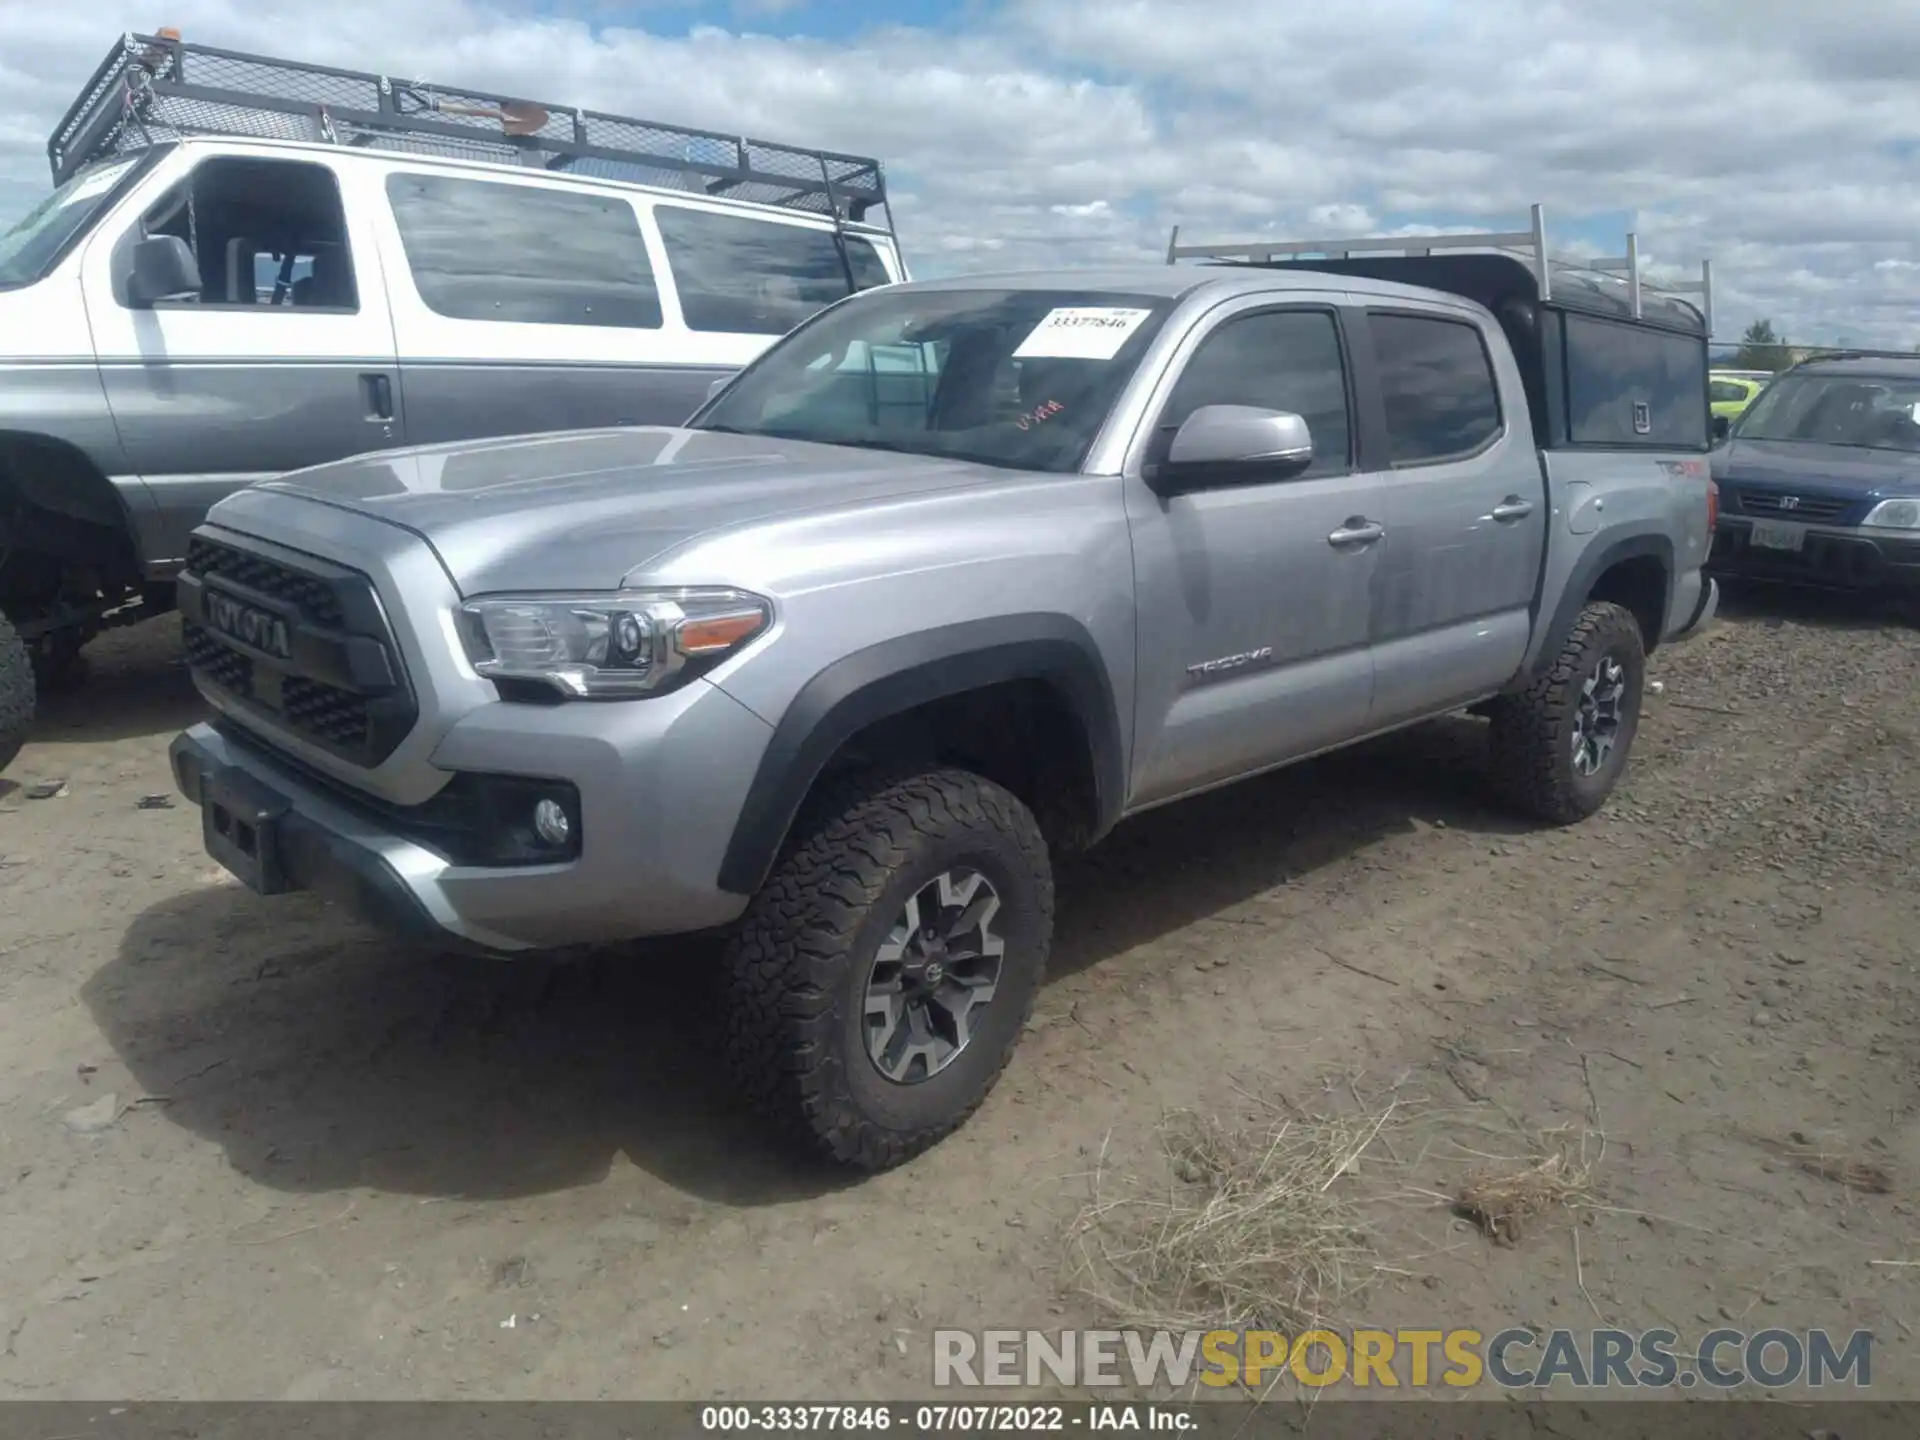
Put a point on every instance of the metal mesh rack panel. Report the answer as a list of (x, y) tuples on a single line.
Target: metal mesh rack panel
[(153, 89)]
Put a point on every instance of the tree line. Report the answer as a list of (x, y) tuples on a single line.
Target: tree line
[(1761, 348)]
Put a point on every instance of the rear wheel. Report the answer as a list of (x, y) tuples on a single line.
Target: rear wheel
[(881, 977), (16, 692), (1561, 745)]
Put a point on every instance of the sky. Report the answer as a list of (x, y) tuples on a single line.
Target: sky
[(1778, 137)]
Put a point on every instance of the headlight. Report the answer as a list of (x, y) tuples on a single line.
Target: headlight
[(609, 646), (1895, 515)]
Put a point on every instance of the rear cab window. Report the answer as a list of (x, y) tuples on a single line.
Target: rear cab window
[(741, 275), (1437, 387)]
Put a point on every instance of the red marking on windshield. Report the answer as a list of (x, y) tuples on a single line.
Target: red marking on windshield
[(1039, 414)]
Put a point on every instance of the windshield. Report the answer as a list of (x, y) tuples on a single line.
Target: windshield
[(1018, 378), (1871, 412), (38, 238)]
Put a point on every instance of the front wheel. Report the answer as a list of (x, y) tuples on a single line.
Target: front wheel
[(16, 692), (1560, 745), (882, 976)]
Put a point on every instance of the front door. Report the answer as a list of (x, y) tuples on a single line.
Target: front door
[(1254, 598), (285, 357)]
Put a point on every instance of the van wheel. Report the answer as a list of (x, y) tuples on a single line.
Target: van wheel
[(16, 692), (1560, 745), (882, 976)]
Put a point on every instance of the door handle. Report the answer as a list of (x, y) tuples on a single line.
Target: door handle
[(378, 390), (1357, 531), (1513, 508)]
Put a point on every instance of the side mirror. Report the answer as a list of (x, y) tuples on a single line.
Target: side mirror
[(718, 385), (1722, 427), (163, 269), (1223, 444)]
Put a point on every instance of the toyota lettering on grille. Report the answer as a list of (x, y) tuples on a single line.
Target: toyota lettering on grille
[(260, 629)]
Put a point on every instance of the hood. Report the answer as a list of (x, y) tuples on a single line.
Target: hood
[(1847, 469), (585, 509)]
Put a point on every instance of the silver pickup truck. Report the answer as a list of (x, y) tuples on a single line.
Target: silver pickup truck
[(956, 577)]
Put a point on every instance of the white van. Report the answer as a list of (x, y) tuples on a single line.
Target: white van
[(251, 265)]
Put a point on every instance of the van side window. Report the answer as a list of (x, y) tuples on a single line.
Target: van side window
[(268, 234), (1436, 379), (1277, 360), (743, 276), (492, 250)]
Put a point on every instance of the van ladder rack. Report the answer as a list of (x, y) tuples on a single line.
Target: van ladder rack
[(1529, 244), (152, 89)]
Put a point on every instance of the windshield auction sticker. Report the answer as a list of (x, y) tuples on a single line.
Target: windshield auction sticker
[(1085, 333)]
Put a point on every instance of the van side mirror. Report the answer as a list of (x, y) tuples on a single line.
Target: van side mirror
[(1722, 427), (163, 269), (1232, 444)]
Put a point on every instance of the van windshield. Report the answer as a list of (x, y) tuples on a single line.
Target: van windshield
[(1017, 378), (1869, 412), (38, 238)]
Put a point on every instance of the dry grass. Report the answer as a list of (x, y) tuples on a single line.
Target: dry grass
[(1251, 1228), (1861, 1175), (1836, 1167), (1504, 1201)]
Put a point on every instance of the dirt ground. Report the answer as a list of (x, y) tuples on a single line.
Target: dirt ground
[(331, 1167)]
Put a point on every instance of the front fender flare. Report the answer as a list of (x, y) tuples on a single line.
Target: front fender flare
[(899, 675)]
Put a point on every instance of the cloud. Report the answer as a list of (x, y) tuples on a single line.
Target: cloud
[(1778, 138)]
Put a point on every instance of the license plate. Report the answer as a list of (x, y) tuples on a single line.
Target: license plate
[(239, 822), (253, 627), (1778, 537)]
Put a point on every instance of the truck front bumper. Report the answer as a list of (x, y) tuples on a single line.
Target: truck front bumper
[(652, 791), (276, 836)]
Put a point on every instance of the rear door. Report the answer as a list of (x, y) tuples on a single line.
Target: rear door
[(284, 359), (1254, 598), (1466, 514)]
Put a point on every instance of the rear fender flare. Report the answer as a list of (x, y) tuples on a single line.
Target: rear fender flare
[(1574, 595)]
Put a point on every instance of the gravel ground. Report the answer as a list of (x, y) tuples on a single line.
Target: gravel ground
[(250, 1150)]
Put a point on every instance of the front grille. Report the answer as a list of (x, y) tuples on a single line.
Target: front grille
[(1813, 509), (228, 669), (343, 689), (336, 716), (311, 596)]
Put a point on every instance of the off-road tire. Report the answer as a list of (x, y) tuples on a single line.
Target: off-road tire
[(1532, 731), (16, 692), (798, 962)]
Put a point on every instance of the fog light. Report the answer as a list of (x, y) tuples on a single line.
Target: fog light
[(550, 822)]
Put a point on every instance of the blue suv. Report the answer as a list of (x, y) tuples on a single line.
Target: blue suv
[(1820, 477)]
